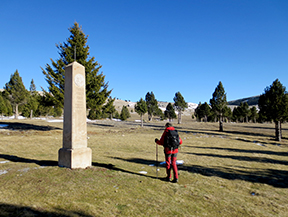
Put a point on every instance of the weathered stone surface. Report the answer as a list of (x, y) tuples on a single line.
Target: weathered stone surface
[(75, 153)]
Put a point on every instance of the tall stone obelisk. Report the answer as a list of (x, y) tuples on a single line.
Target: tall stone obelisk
[(75, 153)]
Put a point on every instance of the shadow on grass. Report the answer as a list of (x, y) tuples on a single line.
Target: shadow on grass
[(276, 178), (244, 158), (7, 210), (14, 158), (244, 150), (23, 126), (113, 167)]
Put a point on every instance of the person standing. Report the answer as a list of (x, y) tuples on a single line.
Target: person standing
[(170, 140)]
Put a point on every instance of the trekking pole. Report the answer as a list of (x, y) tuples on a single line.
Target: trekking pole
[(157, 160)]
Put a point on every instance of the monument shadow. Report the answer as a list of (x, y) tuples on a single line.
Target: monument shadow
[(24, 126), (7, 210)]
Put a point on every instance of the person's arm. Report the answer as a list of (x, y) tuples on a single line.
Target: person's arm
[(161, 141)]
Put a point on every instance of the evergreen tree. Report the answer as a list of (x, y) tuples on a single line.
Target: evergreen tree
[(273, 105), (218, 103), (96, 88), (203, 111), (16, 92), (141, 109), (245, 111), (32, 102), (253, 114), (180, 105), (109, 108), (152, 105), (125, 114), (170, 112), (3, 107), (228, 113)]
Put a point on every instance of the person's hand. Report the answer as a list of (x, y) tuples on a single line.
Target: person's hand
[(156, 140)]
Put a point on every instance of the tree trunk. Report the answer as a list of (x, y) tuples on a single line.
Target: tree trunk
[(16, 111), (141, 120), (278, 131), (220, 124), (179, 117), (31, 114)]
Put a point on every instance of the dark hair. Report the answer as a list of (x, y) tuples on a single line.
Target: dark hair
[(168, 125)]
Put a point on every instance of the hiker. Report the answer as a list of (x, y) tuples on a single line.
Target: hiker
[(170, 150)]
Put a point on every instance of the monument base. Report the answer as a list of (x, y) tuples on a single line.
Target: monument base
[(75, 158)]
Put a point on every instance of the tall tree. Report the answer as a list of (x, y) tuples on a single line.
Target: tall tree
[(152, 105), (218, 103), (170, 112), (16, 92), (141, 109), (96, 88), (273, 105), (179, 104)]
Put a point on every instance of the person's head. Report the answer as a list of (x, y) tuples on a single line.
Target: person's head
[(168, 125)]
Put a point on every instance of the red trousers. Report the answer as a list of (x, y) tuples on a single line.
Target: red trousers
[(171, 164)]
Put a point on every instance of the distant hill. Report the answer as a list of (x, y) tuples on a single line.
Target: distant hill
[(252, 101)]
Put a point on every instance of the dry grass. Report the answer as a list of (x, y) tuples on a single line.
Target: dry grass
[(241, 172)]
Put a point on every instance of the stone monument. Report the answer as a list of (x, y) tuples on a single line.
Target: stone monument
[(75, 153)]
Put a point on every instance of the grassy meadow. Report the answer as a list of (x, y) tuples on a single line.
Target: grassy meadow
[(240, 172)]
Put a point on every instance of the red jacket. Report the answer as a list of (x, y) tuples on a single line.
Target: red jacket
[(161, 142)]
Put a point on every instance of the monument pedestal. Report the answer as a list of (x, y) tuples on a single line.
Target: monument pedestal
[(75, 153), (75, 158)]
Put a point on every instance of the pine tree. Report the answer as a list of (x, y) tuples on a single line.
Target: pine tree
[(125, 114), (218, 103), (96, 88), (152, 105), (141, 109), (254, 114), (170, 112), (32, 102), (273, 105), (3, 107), (180, 105), (109, 108), (16, 91), (203, 111)]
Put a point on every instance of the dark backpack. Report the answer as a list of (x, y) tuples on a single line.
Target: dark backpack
[(172, 140)]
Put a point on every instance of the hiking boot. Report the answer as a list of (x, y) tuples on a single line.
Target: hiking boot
[(168, 179), (175, 180)]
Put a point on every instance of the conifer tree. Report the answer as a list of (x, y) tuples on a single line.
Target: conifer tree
[(273, 105), (32, 102), (152, 105), (3, 107), (141, 109), (180, 105), (16, 92), (253, 114), (170, 112), (125, 114), (96, 88), (109, 108), (218, 103)]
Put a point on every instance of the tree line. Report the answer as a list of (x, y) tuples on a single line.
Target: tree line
[(273, 103)]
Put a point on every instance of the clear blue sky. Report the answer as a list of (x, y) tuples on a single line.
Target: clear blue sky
[(162, 46)]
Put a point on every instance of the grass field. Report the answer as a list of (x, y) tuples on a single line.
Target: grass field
[(240, 172)]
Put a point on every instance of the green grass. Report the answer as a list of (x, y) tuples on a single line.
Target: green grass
[(240, 172)]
